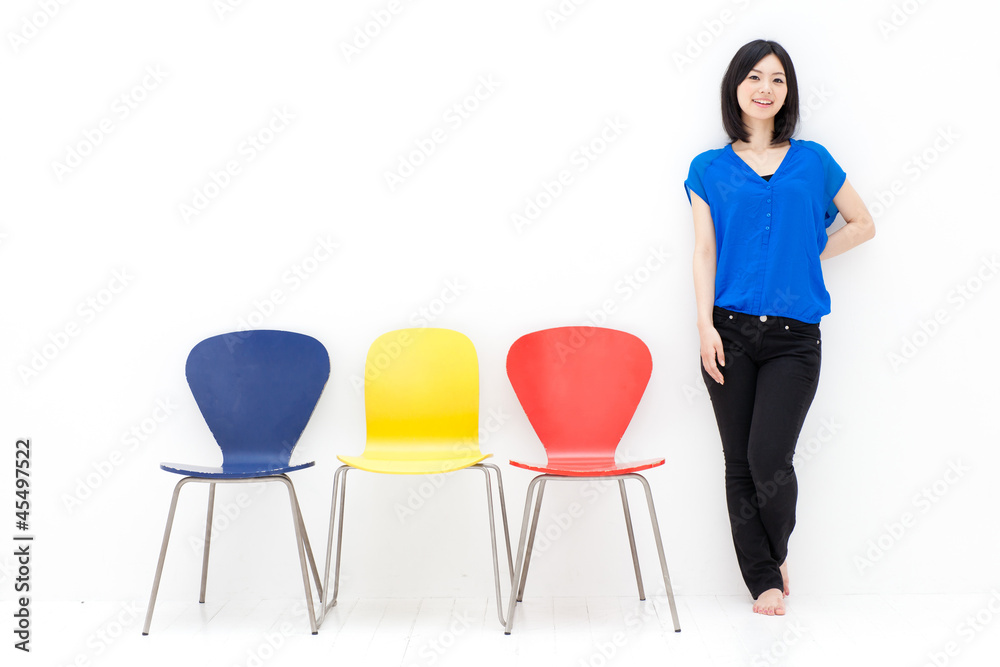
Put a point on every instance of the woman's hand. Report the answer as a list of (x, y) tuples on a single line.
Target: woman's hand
[(711, 349)]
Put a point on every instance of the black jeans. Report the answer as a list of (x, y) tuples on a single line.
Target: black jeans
[(771, 375)]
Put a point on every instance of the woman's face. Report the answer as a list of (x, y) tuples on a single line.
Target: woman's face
[(762, 93)]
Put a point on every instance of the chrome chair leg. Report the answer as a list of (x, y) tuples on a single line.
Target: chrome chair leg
[(308, 546), (208, 541), (631, 539), (519, 561), (163, 553), (336, 508), (523, 556), (531, 541), (493, 541), (340, 535), (659, 549), (503, 513), (300, 543)]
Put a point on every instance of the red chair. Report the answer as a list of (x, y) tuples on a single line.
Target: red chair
[(579, 387)]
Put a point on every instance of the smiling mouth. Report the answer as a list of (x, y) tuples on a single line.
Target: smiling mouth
[(763, 103)]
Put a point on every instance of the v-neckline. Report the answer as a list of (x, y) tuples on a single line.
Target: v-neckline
[(784, 158)]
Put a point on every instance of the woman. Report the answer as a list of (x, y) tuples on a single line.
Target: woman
[(761, 207)]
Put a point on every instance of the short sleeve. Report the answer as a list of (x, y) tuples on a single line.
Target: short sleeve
[(694, 180), (833, 180)]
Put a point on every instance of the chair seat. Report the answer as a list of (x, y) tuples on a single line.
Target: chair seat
[(233, 471), (588, 467), (421, 466)]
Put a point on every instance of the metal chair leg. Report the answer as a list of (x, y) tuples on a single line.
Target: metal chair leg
[(493, 542), (300, 542), (631, 539), (208, 541), (531, 541), (163, 553), (336, 507), (659, 549), (308, 547), (503, 513), (519, 561)]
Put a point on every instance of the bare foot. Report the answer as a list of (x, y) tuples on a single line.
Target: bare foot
[(784, 577), (770, 603)]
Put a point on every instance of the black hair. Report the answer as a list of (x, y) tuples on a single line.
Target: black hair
[(745, 59)]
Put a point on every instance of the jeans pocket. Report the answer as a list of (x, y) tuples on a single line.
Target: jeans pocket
[(804, 331)]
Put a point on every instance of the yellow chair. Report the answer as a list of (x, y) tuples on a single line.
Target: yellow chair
[(422, 416)]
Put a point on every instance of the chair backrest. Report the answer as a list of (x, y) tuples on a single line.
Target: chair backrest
[(421, 384), (257, 390), (579, 387)]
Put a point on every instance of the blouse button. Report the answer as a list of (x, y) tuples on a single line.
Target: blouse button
[(763, 318)]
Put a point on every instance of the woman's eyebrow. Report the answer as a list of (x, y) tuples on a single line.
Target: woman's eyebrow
[(759, 72)]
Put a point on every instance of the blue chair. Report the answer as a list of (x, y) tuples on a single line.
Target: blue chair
[(256, 391)]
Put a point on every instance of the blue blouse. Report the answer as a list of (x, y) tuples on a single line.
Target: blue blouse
[(769, 234)]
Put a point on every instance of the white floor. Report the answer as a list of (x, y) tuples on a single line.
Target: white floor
[(864, 630)]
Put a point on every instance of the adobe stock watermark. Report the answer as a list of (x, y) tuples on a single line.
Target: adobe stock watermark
[(560, 523), (434, 649), (561, 12), (140, 432), (957, 299), (711, 30), (813, 100), (913, 169), (605, 653), (101, 640), (418, 496), (423, 316), (454, 117), (218, 180), (923, 501), (122, 106), (629, 285), (806, 450), (223, 8), (43, 356), (365, 34), (777, 652), (31, 25), (967, 630), (899, 16), (272, 641), (768, 489), (225, 515), (580, 160), (292, 279)]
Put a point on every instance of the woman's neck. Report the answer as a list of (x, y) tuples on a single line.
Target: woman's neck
[(761, 132)]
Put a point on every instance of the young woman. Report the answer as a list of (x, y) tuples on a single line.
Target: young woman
[(761, 207)]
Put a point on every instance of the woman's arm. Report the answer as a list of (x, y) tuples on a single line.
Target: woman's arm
[(704, 287), (860, 226)]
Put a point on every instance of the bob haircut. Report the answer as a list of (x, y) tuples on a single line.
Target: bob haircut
[(739, 67)]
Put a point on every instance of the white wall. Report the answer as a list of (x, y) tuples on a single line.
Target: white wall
[(878, 432)]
